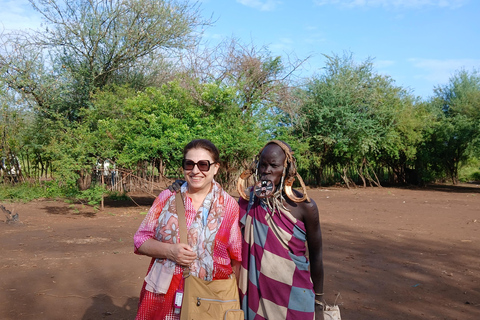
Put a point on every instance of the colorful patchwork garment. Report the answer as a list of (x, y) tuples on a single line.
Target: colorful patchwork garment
[(275, 280)]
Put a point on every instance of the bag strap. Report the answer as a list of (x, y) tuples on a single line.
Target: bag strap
[(182, 223)]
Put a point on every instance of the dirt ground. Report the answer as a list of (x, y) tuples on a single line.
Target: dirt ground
[(389, 253)]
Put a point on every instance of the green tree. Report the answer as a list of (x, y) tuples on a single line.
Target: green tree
[(264, 84), (92, 43), (154, 126), (82, 47), (12, 120), (456, 136), (354, 119)]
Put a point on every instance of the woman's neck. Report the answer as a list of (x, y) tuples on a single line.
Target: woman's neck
[(198, 196)]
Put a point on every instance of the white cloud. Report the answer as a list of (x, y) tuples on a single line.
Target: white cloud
[(382, 64), (393, 3), (262, 5), (214, 36), (315, 38), (440, 71), (282, 45)]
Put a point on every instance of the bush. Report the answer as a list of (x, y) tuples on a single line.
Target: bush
[(21, 192), (93, 195), (470, 171), (51, 190), (116, 195), (475, 176)]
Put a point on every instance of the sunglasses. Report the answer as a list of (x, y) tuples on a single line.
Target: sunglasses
[(203, 165)]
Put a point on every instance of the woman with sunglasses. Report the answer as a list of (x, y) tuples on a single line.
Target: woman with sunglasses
[(214, 239)]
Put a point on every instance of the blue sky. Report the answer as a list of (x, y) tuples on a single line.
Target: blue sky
[(419, 43)]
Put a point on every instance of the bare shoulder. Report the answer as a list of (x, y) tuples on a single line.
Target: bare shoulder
[(305, 211), (310, 210)]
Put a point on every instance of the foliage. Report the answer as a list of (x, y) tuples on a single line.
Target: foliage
[(353, 118), (264, 84), (34, 80), (92, 195), (73, 153), (50, 190), (21, 192), (117, 196), (105, 80), (158, 123), (470, 172), (11, 121), (456, 136), (86, 45)]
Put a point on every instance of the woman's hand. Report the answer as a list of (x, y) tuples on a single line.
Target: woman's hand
[(177, 252), (181, 254)]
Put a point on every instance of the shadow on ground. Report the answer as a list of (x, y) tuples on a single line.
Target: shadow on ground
[(102, 307)]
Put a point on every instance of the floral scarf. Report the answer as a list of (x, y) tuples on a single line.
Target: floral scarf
[(202, 228)]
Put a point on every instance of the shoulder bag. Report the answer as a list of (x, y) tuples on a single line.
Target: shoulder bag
[(206, 300)]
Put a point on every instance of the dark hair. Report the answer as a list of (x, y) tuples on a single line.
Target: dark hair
[(203, 144), (281, 141)]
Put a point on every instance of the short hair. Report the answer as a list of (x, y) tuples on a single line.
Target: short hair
[(203, 144), (278, 142)]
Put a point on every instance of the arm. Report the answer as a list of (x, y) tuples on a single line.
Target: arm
[(146, 244), (234, 234), (314, 242), (180, 253)]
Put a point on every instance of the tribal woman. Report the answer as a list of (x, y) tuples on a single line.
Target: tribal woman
[(277, 279)]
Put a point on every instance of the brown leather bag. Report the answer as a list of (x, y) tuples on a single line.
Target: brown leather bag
[(206, 300)]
